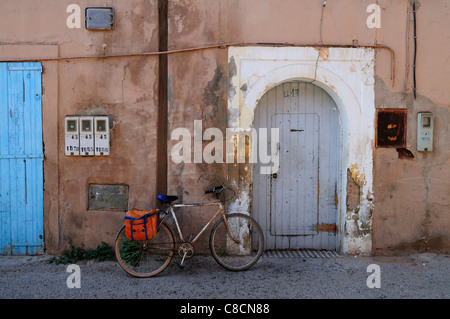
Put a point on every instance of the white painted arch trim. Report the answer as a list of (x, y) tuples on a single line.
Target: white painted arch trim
[(347, 75)]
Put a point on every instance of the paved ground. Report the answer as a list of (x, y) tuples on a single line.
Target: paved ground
[(420, 276)]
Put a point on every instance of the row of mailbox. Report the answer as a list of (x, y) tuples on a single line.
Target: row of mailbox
[(87, 135)]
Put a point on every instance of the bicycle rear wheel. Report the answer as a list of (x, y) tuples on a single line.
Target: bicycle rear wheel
[(145, 258), (242, 253)]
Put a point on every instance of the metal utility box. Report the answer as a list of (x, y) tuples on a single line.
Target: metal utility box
[(425, 125), (72, 136), (391, 128), (86, 135), (99, 18), (101, 134)]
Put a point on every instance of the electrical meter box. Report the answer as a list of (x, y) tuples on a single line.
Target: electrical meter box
[(72, 136), (101, 134), (98, 18), (425, 126), (86, 135)]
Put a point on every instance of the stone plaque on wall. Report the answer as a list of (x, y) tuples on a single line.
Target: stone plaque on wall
[(108, 197)]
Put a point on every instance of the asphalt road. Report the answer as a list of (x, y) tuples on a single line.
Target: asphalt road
[(419, 276)]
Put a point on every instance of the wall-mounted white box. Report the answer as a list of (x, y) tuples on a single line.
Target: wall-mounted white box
[(101, 141), (72, 136), (425, 125), (86, 135)]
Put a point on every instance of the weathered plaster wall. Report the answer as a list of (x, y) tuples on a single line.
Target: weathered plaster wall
[(123, 88), (204, 99), (114, 88), (410, 198), (410, 194)]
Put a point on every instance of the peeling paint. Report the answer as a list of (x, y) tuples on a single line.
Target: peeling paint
[(353, 193), (357, 175), (323, 53)]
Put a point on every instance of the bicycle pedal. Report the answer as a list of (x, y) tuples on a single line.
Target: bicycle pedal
[(180, 266)]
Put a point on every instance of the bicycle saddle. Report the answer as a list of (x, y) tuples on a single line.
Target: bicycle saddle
[(167, 199)]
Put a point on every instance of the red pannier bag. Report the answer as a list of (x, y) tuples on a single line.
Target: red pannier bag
[(140, 224)]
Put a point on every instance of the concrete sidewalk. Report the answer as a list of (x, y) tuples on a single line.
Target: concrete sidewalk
[(420, 276)]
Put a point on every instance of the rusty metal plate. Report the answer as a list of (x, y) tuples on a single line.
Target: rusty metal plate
[(108, 197), (391, 128), (325, 228)]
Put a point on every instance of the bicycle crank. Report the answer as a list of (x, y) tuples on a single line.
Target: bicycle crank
[(186, 251)]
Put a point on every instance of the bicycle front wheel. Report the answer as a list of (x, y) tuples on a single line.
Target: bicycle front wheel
[(145, 258), (241, 247)]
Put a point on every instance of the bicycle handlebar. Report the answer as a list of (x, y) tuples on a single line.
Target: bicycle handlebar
[(216, 190)]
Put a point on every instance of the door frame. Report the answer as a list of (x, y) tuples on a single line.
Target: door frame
[(347, 75)]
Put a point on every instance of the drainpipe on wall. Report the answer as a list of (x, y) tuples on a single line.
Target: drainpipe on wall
[(161, 135), (415, 47)]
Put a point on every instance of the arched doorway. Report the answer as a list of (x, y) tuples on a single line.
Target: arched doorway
[(297, 206), (347, 75)]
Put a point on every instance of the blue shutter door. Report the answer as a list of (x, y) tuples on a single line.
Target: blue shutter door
[(21, 159)]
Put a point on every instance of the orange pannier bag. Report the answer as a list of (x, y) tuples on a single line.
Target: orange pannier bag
[(140, 224)]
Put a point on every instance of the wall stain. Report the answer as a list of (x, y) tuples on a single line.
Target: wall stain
[(213, 92)]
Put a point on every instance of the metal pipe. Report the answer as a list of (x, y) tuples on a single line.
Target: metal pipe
[(221, 45)]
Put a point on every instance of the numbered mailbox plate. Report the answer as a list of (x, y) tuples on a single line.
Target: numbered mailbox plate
[(101, 136), (72, 137), (86, 135)]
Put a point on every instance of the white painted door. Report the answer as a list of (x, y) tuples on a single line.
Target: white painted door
[(297, 206)]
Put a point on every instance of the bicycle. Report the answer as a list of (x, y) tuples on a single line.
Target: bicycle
[(236, 241)]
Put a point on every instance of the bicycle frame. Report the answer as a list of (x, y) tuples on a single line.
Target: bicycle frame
[(220, 211)]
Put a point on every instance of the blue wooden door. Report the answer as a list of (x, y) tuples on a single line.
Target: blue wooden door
[(21, 159)]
